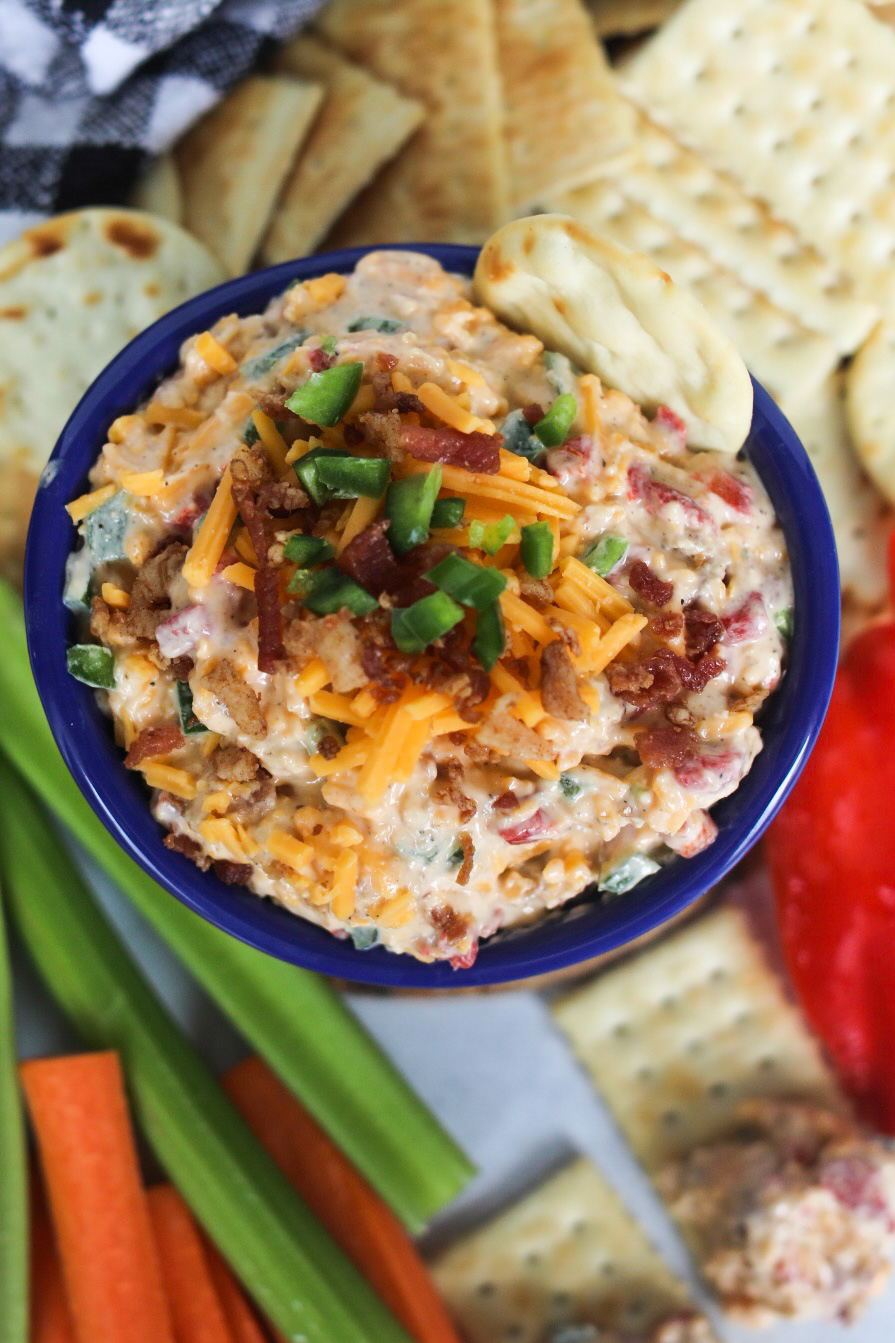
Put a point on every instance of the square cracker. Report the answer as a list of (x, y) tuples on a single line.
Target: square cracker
[(675, 1038), (623, 18), (234, 162), (568, 1252), (361, 125), (710, 209), (785, 357), (448, 184), (795, 99), (564, 119)]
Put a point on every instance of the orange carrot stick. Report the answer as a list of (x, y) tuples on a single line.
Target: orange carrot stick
[(98, 1206), (339, 1196), (50, 1317), (195, 1305), (240, 1317)]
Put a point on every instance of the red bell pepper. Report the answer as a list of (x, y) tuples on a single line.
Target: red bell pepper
[(832, 858)]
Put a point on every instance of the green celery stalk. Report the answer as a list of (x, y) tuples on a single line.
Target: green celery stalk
[(292, 1018), (13, 1178), (288, 1263)]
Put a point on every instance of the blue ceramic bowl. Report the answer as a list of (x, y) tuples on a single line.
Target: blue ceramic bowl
[(790, 721)]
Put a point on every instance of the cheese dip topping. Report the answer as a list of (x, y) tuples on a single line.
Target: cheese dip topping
[(412, 627)]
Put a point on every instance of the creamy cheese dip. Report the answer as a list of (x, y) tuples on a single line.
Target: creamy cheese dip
[(561, 703)]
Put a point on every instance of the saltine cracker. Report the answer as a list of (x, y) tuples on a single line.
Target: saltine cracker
[(360, 126), (870, 407), (567, 1253), (158, 190), (234, 162), (624, 18), (676, 1037)]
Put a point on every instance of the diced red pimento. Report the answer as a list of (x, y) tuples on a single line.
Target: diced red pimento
[(180, 633), (467, 959), (735, 493), (710, 772), (575, 460), (749, 621), (655, 494), (534, 827), (696, 834), (855, 1182), (672, 424)]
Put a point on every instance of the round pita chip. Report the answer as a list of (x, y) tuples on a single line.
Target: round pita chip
[(73, 292), (613, 312), (870, 407)]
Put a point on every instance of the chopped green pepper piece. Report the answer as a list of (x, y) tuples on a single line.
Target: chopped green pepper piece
[(305, 550), (349, 477), (561, 372), (606, 554), (326, 396), (448, 512), (569, 787), (386, 324), (468, 583), (536, 549), (364, 938), (306, 468), (324, 591), (519, 437), (263, 363), (13, 1163), (250, 434), (328, 344), (783, 621), (189, 723), (628, 874), (490, 636), (408, 506), (490, 536), (105, 528), (92, 664), (415, 627), (553, 429)]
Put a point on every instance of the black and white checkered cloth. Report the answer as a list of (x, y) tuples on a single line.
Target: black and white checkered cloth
[(89, 89)]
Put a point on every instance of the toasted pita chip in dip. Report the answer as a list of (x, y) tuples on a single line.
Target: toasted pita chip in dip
[(616, 314)]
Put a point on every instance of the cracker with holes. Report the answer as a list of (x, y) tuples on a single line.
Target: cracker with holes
[(870, 406), (789, 360), (624, 18), (795, 99), (564, 121), (562, 1263), (723, 1095)]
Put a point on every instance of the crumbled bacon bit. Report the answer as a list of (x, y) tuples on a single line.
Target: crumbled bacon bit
[(507, 801), (271, 649), (536, 590), (189, 848), (647, 585), (446, 788), (663, 747), (370, 560), (702, 630), (533, 412), (465, 871), (387, 399), (234, 874), (473, 452), (254, 490), (328, 747), (520, 668), (238, 698), (660, 678), (452, 925), (695, 676), (181, 668), (386, 361), (234, 764), (667, 626), (319, 359), (150, 602), (352, 435), (710, 771), (559, 685), (153, 741)]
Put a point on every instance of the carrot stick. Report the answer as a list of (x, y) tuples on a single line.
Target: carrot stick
[(240, 1317), (50, 1316), (350, 1209), (98, 1206), (195, 1307)]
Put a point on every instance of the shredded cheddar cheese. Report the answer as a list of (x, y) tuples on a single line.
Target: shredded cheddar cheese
[(175, 781), (143, 484), (343, 884), (351, 756), (182, 417), (84, 505), (603, 593), (272, 440), (362, 512), (614, 640), (115, 597), (448, 409), (312, 678), (325, 289), (289, 850), (518, 495), (219, 359), (240, 574), (206, 550), (518, 612)]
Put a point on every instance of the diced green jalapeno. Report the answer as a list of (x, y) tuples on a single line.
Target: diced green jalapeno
[(519, 437), (606, 554), (415, 627), (324, 591), (386, 324), (263, 363), (250, 435), (490, 636), (490, 536), (468, 583), (326, 396), (306, 468), (105, 529), (189, 723), (783, 621), (349, 477), (306, 550), (328, 345), (92, 664), (561, 372), (628, 874), (569, 787), (536, 549), (448, 512), (364, 938), (408, 506), (553, 429)]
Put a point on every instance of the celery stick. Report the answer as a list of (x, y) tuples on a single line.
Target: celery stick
[(288, 1263), (13, 1187), (292, 1018)]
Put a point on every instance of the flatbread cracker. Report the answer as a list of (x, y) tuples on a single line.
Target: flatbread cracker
[(861, 519), (787, 359), (712, 211), (448, 184), (615, 313), (564, 120), (794, 98), (624, 18), (569, 1252), (73, 291), (870, 407), (158, 191), (233, 163), (676, 1037), (360, 126)]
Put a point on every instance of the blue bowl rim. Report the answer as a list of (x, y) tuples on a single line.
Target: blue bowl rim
[(577, 932)]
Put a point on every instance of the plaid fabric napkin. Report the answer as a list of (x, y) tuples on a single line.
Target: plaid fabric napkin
[(89, 89)]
